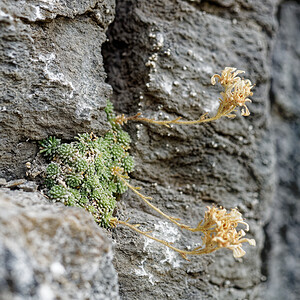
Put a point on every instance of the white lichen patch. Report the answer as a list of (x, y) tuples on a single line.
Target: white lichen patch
[(45, 292), (210, 106), (169, 233), (141, 271), (57, 269), (50, 2), (55, 77), (5, 16), (165, 231), (42, 10), (171, 258), (38, 15), (207, 69), (166, 85)]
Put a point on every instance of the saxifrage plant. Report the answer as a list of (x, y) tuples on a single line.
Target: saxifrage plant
[(91, 172)]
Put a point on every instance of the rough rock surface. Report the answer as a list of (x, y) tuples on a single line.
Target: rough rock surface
[(159, 60), (51, 74), (52, 82), (283, 240), (48, 251)]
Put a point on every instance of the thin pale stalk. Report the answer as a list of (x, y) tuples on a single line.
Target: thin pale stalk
[(175, 121), (122, 119), (145, 198), (152, 121), (197, 121), (183, 253), (178, 121)]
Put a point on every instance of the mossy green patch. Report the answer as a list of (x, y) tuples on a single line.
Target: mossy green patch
[(80, 172)]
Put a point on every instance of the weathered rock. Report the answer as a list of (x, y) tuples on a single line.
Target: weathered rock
[(15, 183), (282, 265), (159, 61), (49, 251), (51, 74), (29, 186)]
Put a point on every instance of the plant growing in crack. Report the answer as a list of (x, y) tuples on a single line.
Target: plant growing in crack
[(91, 172), (79, 173)]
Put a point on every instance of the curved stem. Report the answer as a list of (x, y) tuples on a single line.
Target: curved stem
[(145, 198), (122, 119), (175, 121), (172, 219), (183, 253), (198, 121), (152, 121)]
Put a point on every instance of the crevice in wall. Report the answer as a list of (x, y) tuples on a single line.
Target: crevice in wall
[(123, 60), (265, 252)]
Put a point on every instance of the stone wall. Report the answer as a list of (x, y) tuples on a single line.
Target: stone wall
[(52, 82), (52, 76), (159, 57), (48, 251), (281, 254), (159, 61)]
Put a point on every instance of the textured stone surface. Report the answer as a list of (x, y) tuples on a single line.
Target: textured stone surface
[(48, 251), (282, 264), (159, 61), (51, 83), (51, 74)]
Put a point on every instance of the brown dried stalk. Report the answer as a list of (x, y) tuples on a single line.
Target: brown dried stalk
[(218, 227), (236, 91)]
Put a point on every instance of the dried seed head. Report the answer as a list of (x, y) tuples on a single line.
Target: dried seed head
[(236, 91), (219, 228), (228, 77)]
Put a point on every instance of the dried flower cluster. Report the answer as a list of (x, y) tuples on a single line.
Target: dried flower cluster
[(91, 172), (219, 229), (218, 226), (235, 94)]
